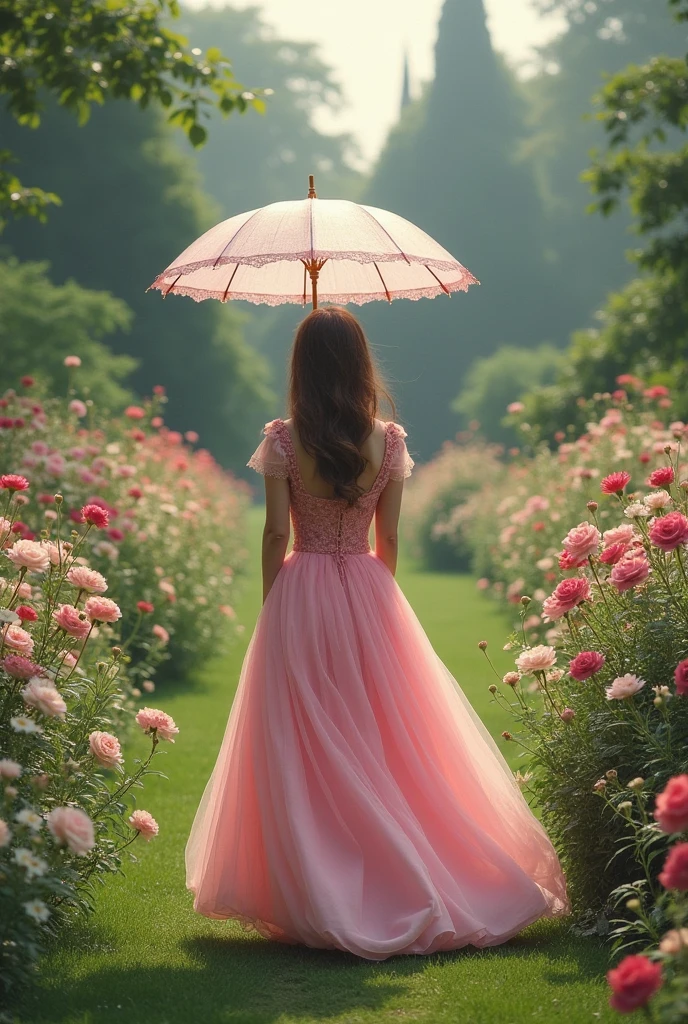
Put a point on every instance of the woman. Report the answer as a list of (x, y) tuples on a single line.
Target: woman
[(357, 803)]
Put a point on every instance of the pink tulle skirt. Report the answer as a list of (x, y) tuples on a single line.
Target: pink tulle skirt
[(357, 802)]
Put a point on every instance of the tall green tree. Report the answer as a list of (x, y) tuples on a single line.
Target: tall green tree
[(644, 327), (84, 52), (131, 201), (452, 165)]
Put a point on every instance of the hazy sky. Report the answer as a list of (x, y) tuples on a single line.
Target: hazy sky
[(364, 41)]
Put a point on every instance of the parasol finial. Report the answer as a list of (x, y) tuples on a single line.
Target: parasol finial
[(311, 187)]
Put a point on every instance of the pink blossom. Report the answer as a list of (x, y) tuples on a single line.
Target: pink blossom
[(681, 678), (95, 515), (134, 412), (87, 579), (105, 748), (675, 871), (58, 554), (581, 541), (30, 555), (18, 639), (619, 534), (78, 407), (153, 721), (661, 477), (670, 531), (19, 667), (72, 827), (161, 633), (72, 621), (9, 769), (629, 572), (515, 407), (671, 805), (148, 685), (586, 664), (145, 824), (614, 553), (571, 592), (568, 715), (72, 361), (615, 483), (13, 482), (102, 609), (536, 659), (42, 694), (624, 686)]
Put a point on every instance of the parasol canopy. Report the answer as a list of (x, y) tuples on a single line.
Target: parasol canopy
[(309, 249)]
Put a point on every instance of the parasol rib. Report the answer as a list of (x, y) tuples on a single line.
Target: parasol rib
[(389, 297), (229, 285), (171, 286), (383, 228), (440, 283), (235, 235)]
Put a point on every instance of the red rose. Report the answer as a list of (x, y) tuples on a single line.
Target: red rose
[(615, 483), (671, 805), (681, 678), (27, 382), (586, 664), (145, 607), (26, 613), (633, 983), (135, 493), (661, 477), (612, 554), (629, 572), (670, 531), (95, 515), (13, 482), (675, 872), (571, 592)]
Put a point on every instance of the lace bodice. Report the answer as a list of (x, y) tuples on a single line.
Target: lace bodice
[(329, 525)]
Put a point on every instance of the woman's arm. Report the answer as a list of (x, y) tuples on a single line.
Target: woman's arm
[(277, 528), (387, 523)]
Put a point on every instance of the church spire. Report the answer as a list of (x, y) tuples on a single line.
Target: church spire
[(406, 97)]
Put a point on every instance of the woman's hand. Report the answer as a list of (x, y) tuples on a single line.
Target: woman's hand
[(276, 531)]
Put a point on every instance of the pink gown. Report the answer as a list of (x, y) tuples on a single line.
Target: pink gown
[(357, 802)]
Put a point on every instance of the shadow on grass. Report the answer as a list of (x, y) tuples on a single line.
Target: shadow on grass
[(241, 979)]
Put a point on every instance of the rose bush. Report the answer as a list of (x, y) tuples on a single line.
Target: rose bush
[(117, 548)]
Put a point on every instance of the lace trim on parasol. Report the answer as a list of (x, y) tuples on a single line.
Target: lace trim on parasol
[(341, 298), (263, 259)]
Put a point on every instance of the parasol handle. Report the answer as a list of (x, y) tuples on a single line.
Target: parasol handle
[(313, 266)]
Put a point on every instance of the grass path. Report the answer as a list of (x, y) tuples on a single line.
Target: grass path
[(146, 957)]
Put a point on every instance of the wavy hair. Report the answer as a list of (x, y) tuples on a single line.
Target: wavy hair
[(335, 390)]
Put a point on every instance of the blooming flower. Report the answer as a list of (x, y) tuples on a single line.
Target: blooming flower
[(612, 554), (95, 516), (33, 865), (637, 510), (72, 361), (87, 579), (622, 534), (633, 983), (152, 721), (624, 686), (145, 824), (681, 678), (586, 664), (674, 941), (5, 833), (674, 874), (658, 499), (21, 723), (13, 482), (30, 555), (567, 595), (41, 693), (536, 659), (102, 609), (9, 769), (629, 572), (27, 816), (161, 633), (615, 483), (19, 667), (71, 620), (105, 748), (18, 639), (670, 531), (72, 827), (661, 477), (78, 408), (37, 910), (134, 412), (671, 805), (145, 607), (26, 613), (568, 715), (583, 540)]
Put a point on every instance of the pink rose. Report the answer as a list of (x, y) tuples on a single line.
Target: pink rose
[(161, 633), (670, 531), (586, 664), (42, 694), (633, 983), (9, 769), (581, 541), (72, 827), (671, 805), (57, 555), (78, 408), (102, 609), (30, 555), (624, 686), (681, 678), (105, 748), (19, 667), (72, 361), (675, 871), (71, 621), (153, 721), (629, 572), (18, 639), (619, 535), (145, 824), (87, 579), (536, 659), (571, 592), (551, 609), (613, 553)]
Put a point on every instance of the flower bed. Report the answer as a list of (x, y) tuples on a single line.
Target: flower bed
[(113, 562)]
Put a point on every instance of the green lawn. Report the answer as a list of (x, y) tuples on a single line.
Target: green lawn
[(145, 956)]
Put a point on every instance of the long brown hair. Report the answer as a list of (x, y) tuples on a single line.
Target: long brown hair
[(335, 391)]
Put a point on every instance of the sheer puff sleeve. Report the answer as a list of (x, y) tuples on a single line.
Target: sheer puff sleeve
[(401, 463), (269, 458)]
